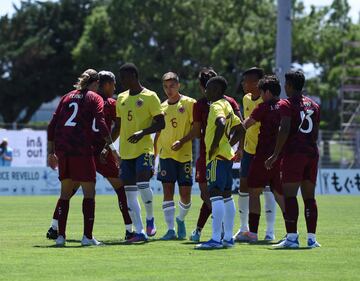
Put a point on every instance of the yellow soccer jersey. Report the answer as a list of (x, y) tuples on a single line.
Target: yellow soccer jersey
[(251, 136), (136, 113), (178, 121), (220, 108)]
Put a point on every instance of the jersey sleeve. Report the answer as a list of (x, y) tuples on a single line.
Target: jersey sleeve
[(98, 111), (258, 113), (285, 109), (54, 120), (155, 105), (234, 105), (112, 103), (118, 105), (217, 111), (191, 110)]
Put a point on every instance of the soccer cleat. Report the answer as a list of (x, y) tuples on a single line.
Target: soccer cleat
[(269, 237), (150, 227), (60, 241), (241, 236), (209, 245), (90, 242), (195, 236), (52, 234), (313, 243), (129, 234), (181, 230), (252, 237), (288, 244), (138, 237), (228, 243), (170, 235)]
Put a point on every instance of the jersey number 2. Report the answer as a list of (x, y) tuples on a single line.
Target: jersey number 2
[(69, 122), (306, 116)]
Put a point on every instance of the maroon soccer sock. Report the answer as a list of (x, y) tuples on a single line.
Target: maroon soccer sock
[(63, 210), (88, 208), (254, 222), (56, 211), (311, 215), (205, 213), (123, 205), (291, 214)]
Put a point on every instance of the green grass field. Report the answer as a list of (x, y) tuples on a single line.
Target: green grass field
[(25, 254)]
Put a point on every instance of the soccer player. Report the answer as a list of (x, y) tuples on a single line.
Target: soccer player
[(251, 100), (268, 115), (70, 146), (219, 154), (174, 146), (139, 115), (108, 168), (297, 140), (200, 116)]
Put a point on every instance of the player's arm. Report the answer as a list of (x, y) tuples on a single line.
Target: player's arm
[(219, 132), (156, 151), (283, 134), (116, 129), (158, 123), (237, 133)]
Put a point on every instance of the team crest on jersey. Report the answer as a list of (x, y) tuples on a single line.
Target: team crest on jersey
[(163, 173), (139, 103), (181, 109)]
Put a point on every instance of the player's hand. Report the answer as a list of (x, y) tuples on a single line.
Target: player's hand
[(176, 145), (238, 155), (136, 137), (117, 157), (270, 161), (52, 161), (103, 155)]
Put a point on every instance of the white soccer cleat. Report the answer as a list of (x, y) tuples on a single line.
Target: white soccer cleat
[(313, 243), (60, 241), (288, 244), (90, 242)]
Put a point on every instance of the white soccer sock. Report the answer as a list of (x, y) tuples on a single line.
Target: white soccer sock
[(270, 211), (243, 203), (147, 198), (128, 227), (184, 210), (54, 224), (134, 207), (169, 214), (218, 211), (229, 217)]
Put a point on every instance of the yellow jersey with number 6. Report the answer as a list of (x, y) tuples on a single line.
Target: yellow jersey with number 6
[(136, 113), (178, 122), (251, 135)]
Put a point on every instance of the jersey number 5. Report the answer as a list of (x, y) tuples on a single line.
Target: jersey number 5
[(306, 116), (69, 122)]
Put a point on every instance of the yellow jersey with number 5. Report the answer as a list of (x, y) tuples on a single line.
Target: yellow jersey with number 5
[(220, 108), (251, 135), (136, 113), (178, 122)]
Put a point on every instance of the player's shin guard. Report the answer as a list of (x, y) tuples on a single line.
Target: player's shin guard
[(270, 211), (243, 203), (229, 218), (134, 207), (169, 214), (88, 208), (184, 210), (205, 213), (218, 211), (291, 214), (311, 215), (122, 201), (147, 198), (63, 211)]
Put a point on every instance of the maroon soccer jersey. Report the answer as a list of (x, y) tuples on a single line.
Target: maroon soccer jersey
[(268, 114), (71, 125), (110, 116), (201, 113), (305, 119)]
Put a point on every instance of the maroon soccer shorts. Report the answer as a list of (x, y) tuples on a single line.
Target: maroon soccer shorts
[(259, 176), (299, 167), (200, 175), (77, 168), (108, 169)]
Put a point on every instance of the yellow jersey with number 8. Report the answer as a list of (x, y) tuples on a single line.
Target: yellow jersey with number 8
[(178, 122), (136, 113), (251, 135)]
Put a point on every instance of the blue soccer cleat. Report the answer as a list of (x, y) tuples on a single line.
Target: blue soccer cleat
[(228, 243), (138, 237), (169, 235), (150, 227), (181, 230), (209, 245), (195, 236), (313, 243)]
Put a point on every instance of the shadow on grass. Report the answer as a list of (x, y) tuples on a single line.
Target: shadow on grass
[(59, 247), (290, 249)]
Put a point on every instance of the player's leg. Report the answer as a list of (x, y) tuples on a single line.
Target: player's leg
[(144, 172), (254, 212), (184, 179), (168, 207), (270, 214)]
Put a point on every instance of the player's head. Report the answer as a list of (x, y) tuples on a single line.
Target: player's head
[(269, 87), (251, 78), (204, 76), (294, 82), (129, 75), (215, 88), (107, 83), (171, 84), (88, 80)]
